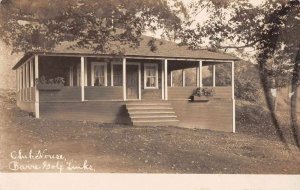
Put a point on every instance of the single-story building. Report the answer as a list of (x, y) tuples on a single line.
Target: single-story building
[(135, 87)]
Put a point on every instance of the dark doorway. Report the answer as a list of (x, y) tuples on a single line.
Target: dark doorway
[(132, 81)]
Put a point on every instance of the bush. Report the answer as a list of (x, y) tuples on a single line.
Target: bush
[(246, 90)]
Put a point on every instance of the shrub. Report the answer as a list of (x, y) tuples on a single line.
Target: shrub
[(246, 90)]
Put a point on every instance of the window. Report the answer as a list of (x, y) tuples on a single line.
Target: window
[(150, 76), (99, 74), (117, 74)]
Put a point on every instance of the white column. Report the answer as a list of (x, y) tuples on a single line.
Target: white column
[(31, 73), (78, 74), (124, 78), (17, 85), (140, 80), (183, 77), (82, 78), (214, 75), (71, 76), (17, 82), (233, 99), (197, 76), (232, 79), (171, 79), (21, 83), (162, 81), (28, 74), (30, 79), (200, 74), (111, 74), (24, 83), (85, 71), (166, 79), (28, 82), (36, 76)]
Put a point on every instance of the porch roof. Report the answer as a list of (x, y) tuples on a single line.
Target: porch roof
[(165, 50)]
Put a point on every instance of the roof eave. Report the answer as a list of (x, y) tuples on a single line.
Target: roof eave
[(25, 57), (30, 54)]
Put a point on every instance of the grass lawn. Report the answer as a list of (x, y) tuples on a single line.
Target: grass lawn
[(121, 148)]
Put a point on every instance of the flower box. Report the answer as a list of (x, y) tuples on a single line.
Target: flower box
[(203, 94), (49, 87), (201, 98)]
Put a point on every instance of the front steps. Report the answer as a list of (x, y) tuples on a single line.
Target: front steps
[(151, 113)]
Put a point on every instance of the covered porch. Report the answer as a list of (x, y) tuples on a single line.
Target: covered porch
[(124, 79), (132, 90)]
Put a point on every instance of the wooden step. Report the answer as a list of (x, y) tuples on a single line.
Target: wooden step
[(141, 112), (148, 104), (165, 122), (136, 117), (153, 120), (152, 113), (149, 108)]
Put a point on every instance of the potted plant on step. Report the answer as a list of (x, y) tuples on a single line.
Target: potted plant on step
[(52, 84), (203, 94)]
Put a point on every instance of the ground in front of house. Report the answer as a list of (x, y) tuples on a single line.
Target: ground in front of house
[(121, 148)]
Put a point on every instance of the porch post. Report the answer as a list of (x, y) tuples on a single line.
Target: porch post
[(24, 83), (183, 77), (26, 80), (21, 84), (214, 75), (31, 73), (17, 79), (71, 76), (82, 78), (197, 77), (36, 76), (140, 81), (124, 78), (200, 74), (30, 79), (18, 83), (162, 81), (85, 71), (233, 99), (171, 79), (166, 79)]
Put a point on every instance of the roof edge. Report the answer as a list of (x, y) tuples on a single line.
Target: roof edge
[(30, 54), (25, 57)]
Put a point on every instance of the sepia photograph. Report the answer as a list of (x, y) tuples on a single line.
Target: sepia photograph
[(145, 89)]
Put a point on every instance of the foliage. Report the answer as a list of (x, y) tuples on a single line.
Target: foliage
[(246, 90), (204, 91), (40, 25), (270, 29), (240, 25), (56, 80), (247, 83)]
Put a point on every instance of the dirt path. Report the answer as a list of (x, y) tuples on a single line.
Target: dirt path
[(118, 148)]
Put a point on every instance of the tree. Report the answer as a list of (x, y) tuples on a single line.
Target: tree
[(270, 29), (39, 25)]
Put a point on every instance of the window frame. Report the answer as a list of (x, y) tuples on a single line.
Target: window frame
[(112, 72), (92, 72), (156, 76)]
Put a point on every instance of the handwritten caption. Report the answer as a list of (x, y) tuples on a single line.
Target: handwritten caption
[(41, 160)]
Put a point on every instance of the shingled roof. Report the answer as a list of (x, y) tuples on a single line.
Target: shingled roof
[(165, 50)]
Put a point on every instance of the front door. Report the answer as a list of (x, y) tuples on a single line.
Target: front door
[(132, 81)]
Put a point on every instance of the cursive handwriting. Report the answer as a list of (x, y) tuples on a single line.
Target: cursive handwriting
[(38, 155)]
